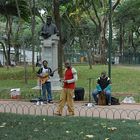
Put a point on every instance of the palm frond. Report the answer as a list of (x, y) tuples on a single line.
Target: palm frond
[(8, 7)]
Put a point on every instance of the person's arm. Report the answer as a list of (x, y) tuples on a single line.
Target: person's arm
[(98, 87), (51, 73), (39, 72), (108, 88), (75, 77)]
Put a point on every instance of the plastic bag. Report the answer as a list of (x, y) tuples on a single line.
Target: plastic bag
[(128, 100)]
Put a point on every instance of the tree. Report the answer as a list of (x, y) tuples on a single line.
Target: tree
[(56, 5), (127, 20), (98, 11), (32, 11), (8, 9)]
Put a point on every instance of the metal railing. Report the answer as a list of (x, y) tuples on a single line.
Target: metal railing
[(108, 112)]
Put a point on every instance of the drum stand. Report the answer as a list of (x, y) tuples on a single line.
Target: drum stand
[(89, 104)]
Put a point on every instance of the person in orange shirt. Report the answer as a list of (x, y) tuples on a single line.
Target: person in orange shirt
[(66, 97)]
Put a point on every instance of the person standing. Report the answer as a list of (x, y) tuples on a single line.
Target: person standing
[(66, 97), (48, 28), (103, 85), (44, 74)]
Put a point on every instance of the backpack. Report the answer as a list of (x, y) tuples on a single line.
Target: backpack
[(114, 101)]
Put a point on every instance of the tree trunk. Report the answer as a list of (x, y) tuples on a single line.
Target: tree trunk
[(4, 51), (121, 42), (60, 47), (89, 54), (17, 45), (32, 6), (16, 48), (102, 39), (8, 40)]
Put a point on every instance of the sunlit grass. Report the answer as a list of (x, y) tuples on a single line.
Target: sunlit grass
[(125, 79)]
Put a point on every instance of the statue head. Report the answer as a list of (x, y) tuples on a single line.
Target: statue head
[(49, 20)]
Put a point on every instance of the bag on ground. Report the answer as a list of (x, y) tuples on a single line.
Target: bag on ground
[(114, 101)]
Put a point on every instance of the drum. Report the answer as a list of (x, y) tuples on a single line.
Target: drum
[(102, 99)]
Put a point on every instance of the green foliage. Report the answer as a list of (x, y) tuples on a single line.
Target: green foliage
[(27, 127), (128, 12), (126, 20), (15, 73), (15, 78), (8, 7)]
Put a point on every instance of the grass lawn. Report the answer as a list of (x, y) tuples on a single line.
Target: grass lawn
[(24, 127), (125, 79)]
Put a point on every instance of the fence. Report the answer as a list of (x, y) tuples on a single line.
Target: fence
[(124, 111)]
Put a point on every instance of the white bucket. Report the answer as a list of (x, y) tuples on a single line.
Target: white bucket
[(15, 93)]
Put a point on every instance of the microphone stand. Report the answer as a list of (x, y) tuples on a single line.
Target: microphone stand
[(89, 104)]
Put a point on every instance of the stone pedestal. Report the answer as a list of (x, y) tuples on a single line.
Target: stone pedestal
[(49, 52)]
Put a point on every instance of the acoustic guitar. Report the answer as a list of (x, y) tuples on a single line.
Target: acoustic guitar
[(45, 77)]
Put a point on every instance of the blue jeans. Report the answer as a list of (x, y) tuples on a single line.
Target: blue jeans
[(46, 87), (107, 93)]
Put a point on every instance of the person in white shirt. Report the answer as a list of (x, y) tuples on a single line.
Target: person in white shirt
[(44, 74)]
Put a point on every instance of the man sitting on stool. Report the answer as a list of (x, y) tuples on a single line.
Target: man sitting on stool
[(103, 85)]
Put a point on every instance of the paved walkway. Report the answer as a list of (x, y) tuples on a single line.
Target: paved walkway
[(122, 111)]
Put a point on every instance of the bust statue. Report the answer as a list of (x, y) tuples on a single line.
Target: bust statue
[(48, 28)]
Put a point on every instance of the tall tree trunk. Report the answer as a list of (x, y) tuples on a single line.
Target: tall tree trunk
[(4, 50), (102, 39), (8, 40), (17, 46), (121, 42), (60, 47), (32, 11), (89, 54)]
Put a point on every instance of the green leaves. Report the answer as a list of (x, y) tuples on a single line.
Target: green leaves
[(9, 8)]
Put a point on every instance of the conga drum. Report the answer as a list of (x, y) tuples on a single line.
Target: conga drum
[(102, 98)]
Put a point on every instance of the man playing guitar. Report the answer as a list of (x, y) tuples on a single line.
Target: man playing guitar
[(44, 74)]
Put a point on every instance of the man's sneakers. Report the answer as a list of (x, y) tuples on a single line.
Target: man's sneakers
[(39, 103), (50, 102)]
